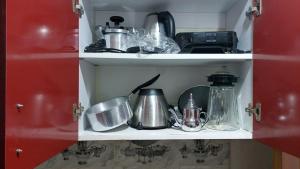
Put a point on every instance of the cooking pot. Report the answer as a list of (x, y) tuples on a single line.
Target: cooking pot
[(116, 37)]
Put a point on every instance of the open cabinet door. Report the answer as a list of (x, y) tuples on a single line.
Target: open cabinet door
[(277, 74), (2, 84), (41, 80)]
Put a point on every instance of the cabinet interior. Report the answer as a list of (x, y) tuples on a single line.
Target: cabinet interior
[(100, 83), (104, 76), (189, 16)]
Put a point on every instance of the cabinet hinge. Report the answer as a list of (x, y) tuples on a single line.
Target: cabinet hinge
[(255, 10), (256, 111), (77, 8), (77, 110)]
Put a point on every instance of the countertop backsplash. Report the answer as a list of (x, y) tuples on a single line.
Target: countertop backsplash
[(191, 154)]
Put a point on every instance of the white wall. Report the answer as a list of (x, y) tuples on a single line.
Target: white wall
[(112, 81), (184, 21), (247, 154), (226, 16), (236, 20)]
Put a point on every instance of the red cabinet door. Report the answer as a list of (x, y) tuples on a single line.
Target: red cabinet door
[(277, 74), (2, 83), (42, 75)]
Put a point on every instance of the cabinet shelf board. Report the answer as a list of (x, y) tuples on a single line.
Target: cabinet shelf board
[(162, 59), (129, 133)]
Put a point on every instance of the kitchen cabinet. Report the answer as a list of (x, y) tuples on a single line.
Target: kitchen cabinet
[(47, 72), (101, 73)]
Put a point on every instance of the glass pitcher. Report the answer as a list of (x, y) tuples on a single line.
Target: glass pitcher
[(222, 105)]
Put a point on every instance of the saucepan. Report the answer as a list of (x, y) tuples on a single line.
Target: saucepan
[(114, 112)]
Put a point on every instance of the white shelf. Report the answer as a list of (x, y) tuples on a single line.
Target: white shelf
[(161, 59), (129, 133)]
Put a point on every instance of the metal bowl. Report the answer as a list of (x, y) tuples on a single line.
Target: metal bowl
[(109, 114)]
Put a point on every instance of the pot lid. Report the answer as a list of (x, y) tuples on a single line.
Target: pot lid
[(147, 92), (222, 79)]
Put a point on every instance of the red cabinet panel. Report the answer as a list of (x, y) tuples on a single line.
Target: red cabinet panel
[(276, 74), (2, 84), (41, 74)]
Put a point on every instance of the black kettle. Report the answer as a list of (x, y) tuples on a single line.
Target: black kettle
[(160, 24)]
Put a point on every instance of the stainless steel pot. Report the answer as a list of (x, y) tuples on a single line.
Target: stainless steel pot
[(116, 38), (115, 112), (109, 114), (151, 110)]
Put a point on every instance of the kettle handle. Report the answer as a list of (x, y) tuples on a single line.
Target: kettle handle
[(169, 24), (148, 83)]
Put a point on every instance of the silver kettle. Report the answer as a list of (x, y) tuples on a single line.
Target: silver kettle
[(160, 24), (151, 110)]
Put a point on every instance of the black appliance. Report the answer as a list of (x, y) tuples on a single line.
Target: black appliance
[(207, 42)]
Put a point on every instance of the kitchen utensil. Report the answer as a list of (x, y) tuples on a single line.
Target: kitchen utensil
[(115, 112), (200, 97), (207, 42), (160, 24), (116, 37), (193, 117), (222, 107), (151, 110)]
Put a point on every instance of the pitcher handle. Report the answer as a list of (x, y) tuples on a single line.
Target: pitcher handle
[(203, 114)]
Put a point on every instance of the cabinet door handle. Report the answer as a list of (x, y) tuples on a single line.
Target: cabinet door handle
[(18, 152), (19, 106)]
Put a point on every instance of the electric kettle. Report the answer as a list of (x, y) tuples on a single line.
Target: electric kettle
[(159, 25), (151, 110)]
